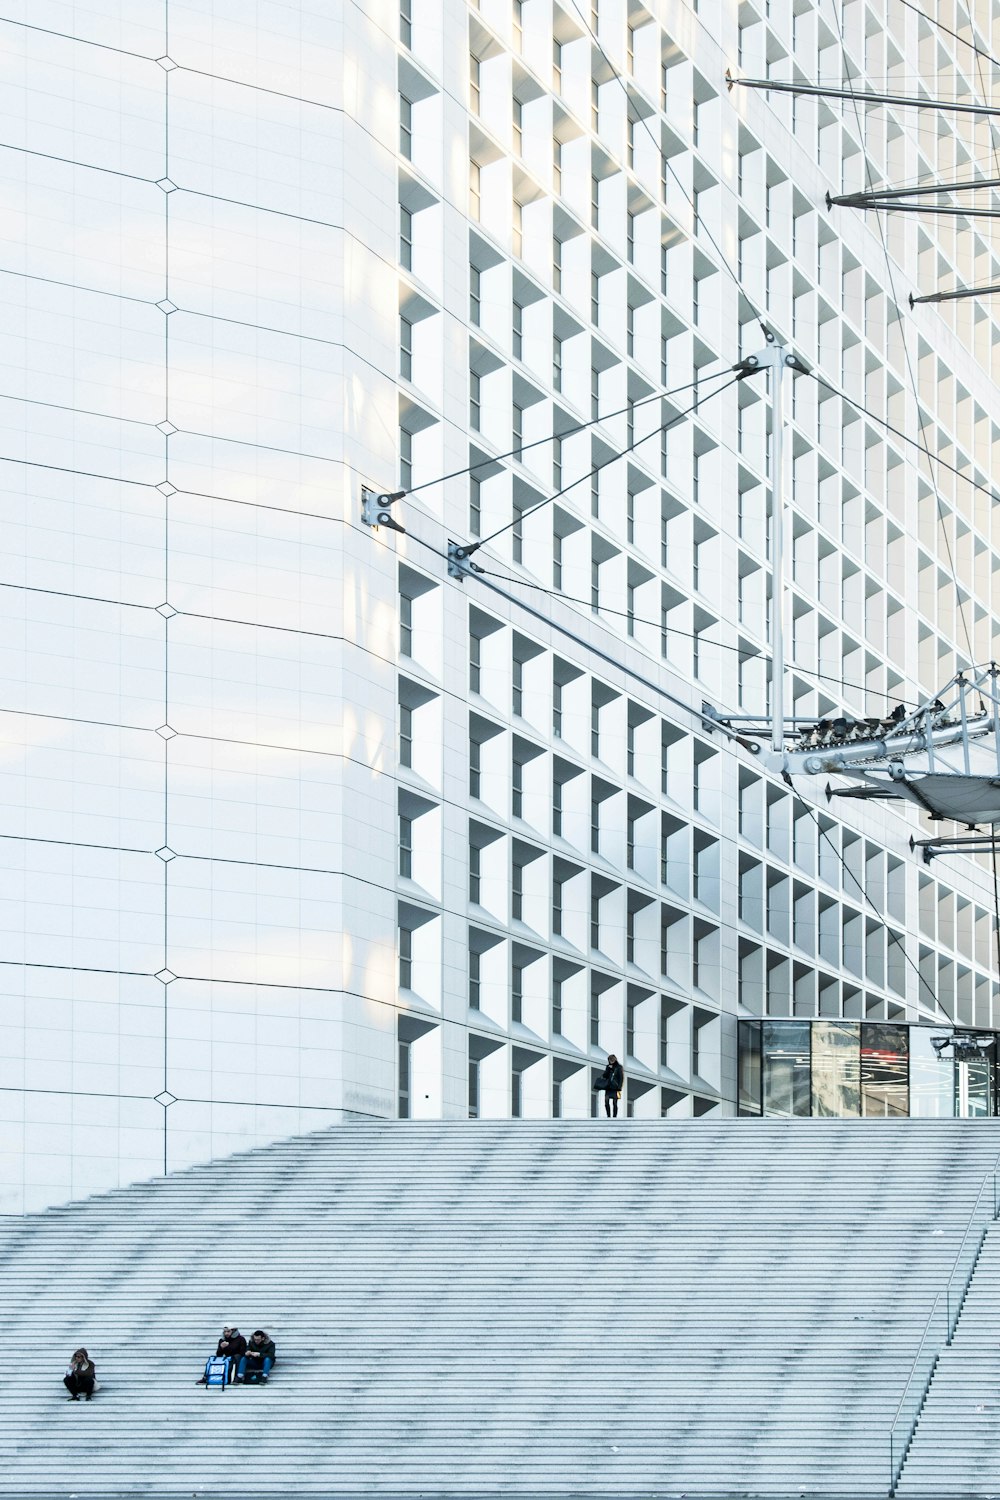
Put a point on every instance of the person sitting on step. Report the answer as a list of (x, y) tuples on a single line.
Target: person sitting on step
[(80, 1376), (258, 1359), (233, 1345)]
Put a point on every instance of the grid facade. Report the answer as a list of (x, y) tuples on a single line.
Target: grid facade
[(296, 825)]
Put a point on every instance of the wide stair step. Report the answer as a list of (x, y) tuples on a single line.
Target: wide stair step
[(480, 1309)]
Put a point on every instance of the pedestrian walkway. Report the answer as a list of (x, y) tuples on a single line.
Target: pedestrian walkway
[(526, 1308)]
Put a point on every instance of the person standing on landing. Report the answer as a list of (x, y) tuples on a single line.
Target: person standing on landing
[(611, 1081), (80, 1376)]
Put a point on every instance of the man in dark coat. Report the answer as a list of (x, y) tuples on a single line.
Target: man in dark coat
[(610, 1082), (233, 1344), (259, 1357)]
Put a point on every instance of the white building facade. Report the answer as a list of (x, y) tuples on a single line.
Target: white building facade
[(298, 827)]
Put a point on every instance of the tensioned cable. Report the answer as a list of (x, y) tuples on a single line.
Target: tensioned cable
[(891, 935), (879, 196), (712, 722), (484, 463), (924, 178), (932, 210), (905, 438), (319, 516), (458, 473), (620, 453), (860, 96), (715, 724), (984, 91), (889, 83), (750, 652), (906, 350), (619, 666), (723, 262), (644, 122), (942, 27), (987, 290), (660, 692)]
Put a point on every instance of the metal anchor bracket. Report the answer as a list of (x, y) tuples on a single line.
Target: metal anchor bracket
[(460, 564), (375, 509)]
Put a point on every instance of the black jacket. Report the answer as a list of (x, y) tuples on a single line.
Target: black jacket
[(261, 1351), (612, 1078), (235, 1346)]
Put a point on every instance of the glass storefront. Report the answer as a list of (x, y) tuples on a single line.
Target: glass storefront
[(847, 1069), (932, 1077), (785, 1056), (885, 1070), (836, 1069)]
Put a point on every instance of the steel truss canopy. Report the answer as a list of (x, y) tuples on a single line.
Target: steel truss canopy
[(969, 800), (943, 756)]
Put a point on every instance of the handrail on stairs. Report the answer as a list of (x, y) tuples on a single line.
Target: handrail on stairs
[(941, 1321)]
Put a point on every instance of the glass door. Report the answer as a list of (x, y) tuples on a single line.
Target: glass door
[(974, 1086)]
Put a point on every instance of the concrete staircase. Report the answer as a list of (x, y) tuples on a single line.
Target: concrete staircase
[(956, 1447), (588, 1308)]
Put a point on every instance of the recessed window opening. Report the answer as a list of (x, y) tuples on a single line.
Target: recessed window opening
[(405, 238), (403, 1091), (405, 735), (405, 958), (516, 992), (517, 789), (475, 663), (406, 349), (405, 625), (405, 847), (517, 894)]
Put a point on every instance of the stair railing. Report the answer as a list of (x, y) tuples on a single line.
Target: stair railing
[(940, 1326)]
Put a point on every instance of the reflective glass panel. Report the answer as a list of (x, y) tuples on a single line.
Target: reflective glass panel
[(885, 1088), (974, 1080), (932, 1088), (749, 1068), (836, 1068), (785, 1058)]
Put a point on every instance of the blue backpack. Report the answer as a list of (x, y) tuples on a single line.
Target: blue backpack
[(217, 1371)]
